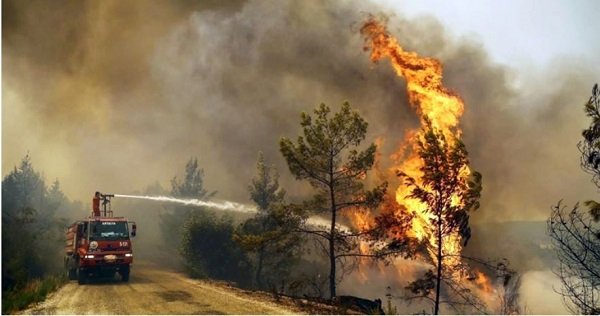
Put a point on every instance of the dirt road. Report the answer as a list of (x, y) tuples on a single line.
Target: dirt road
[(152, 290)]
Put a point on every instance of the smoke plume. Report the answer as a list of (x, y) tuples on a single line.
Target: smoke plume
[(115, 95)]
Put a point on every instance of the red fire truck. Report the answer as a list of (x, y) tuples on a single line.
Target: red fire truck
[(99, 245)]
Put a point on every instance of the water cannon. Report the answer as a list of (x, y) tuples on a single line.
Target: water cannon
[(106, 210), (106, 198), (106, 207)]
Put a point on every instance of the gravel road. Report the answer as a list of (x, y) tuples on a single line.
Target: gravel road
[(152, 290)]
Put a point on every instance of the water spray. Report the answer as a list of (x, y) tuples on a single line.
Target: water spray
[(225, 205)]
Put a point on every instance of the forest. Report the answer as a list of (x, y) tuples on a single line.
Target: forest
[(279, 250)]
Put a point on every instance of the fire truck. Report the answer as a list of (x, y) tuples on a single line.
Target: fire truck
[(100, 245)]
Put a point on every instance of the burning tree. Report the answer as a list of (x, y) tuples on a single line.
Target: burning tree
[(318, 157), (439, 188), (575, 233), (448, 194)]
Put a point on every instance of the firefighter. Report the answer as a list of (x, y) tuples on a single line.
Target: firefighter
[(96, 203)]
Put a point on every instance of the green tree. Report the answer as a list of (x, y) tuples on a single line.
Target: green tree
[(210, 251), (23, 194), (268, 235), (204, 241), (24, 187), (449, 197), (191, 186), (56, 198), (56, 213), (327, 156), (31, 231), (32, 234)]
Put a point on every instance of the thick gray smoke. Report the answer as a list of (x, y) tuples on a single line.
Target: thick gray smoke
[(114, 95)]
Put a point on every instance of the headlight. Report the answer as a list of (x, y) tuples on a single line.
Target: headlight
[(89, 256), (128, 255)]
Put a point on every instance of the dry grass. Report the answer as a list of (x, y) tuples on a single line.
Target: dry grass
[(35, 291)]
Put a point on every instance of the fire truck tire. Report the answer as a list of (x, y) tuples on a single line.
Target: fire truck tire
[(125, 275), (70, 272), (81, 277)]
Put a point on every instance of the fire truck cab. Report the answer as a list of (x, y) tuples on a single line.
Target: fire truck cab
[(99, 246)]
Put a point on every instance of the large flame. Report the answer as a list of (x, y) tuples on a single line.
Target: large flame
[(423, 78), (434, 102)]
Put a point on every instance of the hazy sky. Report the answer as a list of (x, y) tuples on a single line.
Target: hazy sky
[(516, 32), (115, 95)]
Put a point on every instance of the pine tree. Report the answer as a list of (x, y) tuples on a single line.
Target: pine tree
[(328, 157), (192, 186), (268, 235), (449, 197)]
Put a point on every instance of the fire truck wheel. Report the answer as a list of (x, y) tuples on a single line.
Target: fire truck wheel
[(70, 273), (81, 276), (125, 275)]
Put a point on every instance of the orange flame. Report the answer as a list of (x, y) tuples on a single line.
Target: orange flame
[(483, 282), (443, 108), (432, 101), (423, 76), (362, 221)]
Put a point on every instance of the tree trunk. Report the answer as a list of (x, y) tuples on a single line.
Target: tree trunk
[(332, 258), (261, 256), (332, 293), (259, 266), (438, 277)]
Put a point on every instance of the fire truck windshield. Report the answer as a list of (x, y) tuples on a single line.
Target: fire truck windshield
[(108, 230)]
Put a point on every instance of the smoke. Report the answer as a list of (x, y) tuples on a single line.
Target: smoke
[(538, 295), (115, 95)]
